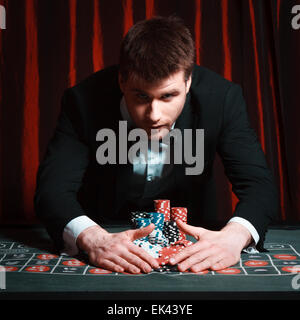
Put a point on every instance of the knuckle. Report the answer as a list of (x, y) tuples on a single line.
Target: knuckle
[(98, 262), (207, 263), (219, 266), (140, 263), (116, 248), (206, 243), (125, 234)]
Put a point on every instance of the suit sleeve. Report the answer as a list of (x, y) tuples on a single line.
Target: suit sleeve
[(60, 173), (245, 165)]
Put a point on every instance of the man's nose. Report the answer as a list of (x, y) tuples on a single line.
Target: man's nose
[(154, 112)]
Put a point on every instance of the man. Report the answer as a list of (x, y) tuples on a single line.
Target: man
[(157, 88)]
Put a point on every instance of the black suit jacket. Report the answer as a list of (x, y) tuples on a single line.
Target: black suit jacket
[(71, 183)]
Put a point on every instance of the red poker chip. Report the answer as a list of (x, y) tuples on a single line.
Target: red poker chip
[(294, 269), (179, 213), (47, 256), (99, 271), (229, 271), (256, 263), (183, 242), (163, 206), (73, 263), (285, 256), (182, 236), (37, 269), (167, 252)]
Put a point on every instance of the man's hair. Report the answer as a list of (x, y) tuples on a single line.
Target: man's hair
[(156, 48)]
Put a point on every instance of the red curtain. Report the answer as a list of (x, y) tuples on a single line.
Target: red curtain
[(49, 45)]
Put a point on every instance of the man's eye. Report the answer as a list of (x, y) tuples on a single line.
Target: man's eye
[(142, 96), (167, 96)]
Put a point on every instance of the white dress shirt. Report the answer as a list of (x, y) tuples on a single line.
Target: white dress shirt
[(153, 168)]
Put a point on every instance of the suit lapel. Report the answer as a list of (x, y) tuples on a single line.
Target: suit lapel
[(110, 120)]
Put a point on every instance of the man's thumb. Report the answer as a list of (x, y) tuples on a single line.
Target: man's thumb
[(142, 232), (196, 232)]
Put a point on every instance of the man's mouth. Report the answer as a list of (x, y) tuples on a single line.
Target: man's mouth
[(158, 127)]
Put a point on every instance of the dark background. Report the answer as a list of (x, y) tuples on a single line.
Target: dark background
[(49, 45)]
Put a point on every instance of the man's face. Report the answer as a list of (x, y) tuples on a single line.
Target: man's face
[(155, 105)]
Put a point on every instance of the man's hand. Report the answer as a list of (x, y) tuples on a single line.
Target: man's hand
[(214, 250), (116, 251)]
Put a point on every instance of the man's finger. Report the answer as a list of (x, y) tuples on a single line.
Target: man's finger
[(204, 265), (144, 255), (137, 262), (189, 251), (140, 233), (125, 264), (207, 263), (109, 265), (223, 263), (196, 232)]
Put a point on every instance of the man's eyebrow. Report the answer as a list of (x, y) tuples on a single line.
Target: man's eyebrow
[(171, 91), (138, 90)]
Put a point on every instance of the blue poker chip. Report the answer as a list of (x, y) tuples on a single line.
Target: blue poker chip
[(157, 218), (142, 222)]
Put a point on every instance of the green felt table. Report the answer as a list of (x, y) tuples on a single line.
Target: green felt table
[(270, 277)]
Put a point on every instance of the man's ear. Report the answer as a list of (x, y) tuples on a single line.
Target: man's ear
[(188, 83), (121, 82)]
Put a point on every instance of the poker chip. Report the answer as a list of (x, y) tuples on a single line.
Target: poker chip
[(137, 214), (179, 213), (142, 223), (184, 243), (163, 206), (167, 252), (157, 219), (166, 239), (171, 231), (152, 249), (167, 268), (157, 237), (138, 242)]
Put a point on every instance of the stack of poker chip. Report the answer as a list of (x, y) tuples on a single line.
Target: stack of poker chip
[(157, 236), (181, 214), (154, 242), (135, 215), (142, 223), (163, 206), (171, 231), (152, 249), (166, 233)]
